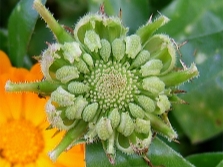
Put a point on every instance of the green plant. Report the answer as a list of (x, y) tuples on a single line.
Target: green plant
[(205, 43)]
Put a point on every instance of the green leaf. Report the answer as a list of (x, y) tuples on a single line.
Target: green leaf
[(202, 118), (3, 39), (159, 154), (202, 28), (220, 164), (206, 159), (21, 25), (193, 18)]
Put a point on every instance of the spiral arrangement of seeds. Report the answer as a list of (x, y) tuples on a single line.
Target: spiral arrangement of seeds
[(106, 85)]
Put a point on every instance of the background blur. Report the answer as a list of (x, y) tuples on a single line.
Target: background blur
[(200, 23)]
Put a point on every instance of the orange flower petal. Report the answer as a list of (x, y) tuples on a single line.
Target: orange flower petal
[(74, 157), (29, 106), (35, 73), (43, 161), (34, 108), (4, 63), (4, 107), (4, 163)]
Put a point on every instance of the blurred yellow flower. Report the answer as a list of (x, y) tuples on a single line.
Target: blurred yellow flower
[(24, 140)]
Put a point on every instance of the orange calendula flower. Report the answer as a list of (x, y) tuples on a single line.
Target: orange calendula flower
[(24, 140)]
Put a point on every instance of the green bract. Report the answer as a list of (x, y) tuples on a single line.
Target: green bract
[(106, 85)]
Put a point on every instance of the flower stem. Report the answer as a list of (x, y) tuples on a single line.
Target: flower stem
[(73, 134), (61, 34), (42, 87)]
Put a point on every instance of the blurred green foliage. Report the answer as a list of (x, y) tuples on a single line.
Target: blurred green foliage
[(200, 23)]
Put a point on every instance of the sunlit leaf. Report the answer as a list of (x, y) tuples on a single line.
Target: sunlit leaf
[(193, 18), (206, 159), (159, 154)]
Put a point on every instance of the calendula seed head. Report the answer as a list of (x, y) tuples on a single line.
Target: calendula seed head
[(107, 85)]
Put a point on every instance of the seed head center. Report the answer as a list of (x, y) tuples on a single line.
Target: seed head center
[(111, 85)]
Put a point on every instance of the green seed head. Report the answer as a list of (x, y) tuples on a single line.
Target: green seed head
[(106, 85)]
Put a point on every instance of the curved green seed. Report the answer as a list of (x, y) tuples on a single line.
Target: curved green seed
[(136, 110), (92, 41), (90, 112), (126, 126), (105, 50), (118, 49), (133, 45), (67, 73), (78, 87), (104, 128), (146, 103)]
